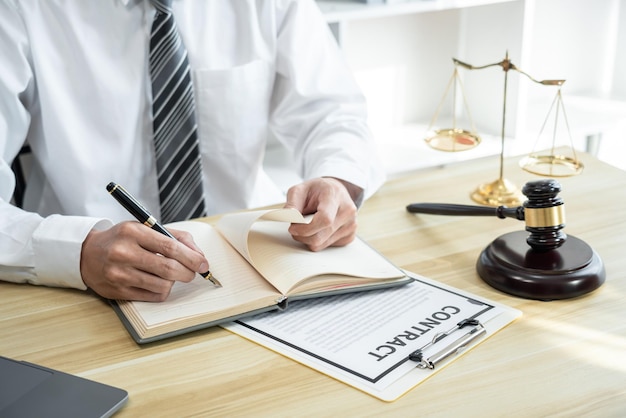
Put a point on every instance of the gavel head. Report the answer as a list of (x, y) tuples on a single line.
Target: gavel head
[(544, 214)]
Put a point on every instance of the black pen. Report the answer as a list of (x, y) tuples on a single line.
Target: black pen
[(142, 215)]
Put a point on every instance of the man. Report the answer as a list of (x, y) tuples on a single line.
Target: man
[(75, 84)]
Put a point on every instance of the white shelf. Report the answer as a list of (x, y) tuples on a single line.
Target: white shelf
[(339, 11)]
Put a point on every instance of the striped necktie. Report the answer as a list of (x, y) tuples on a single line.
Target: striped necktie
[(175, 130)]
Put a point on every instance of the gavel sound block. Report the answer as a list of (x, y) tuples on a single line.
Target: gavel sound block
[(542, 263)]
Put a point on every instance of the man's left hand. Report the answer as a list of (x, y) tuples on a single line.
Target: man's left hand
[(332, 203)]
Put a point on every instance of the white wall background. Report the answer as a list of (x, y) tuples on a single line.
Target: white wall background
[(401, 55), (404, 62)]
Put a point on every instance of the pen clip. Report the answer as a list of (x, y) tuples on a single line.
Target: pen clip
[(476, 331)]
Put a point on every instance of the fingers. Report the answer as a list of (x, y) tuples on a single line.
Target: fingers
[(130, 261), (334, 221), (181, 251), (325, 231), (120, 281), (187, 239), (297, 198)]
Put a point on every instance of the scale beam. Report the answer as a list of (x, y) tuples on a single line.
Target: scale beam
[(501, 191)]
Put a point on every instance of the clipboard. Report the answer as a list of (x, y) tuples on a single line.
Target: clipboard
[(408, 353), (468, 330)]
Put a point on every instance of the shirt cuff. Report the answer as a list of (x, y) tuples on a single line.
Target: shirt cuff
[(370, 181), (57, 245)]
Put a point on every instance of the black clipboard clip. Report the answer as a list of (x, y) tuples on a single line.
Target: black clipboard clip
[(476, 331)]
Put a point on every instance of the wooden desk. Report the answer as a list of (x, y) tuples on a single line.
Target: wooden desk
[(565, 358)]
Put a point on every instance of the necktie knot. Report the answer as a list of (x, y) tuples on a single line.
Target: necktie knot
[(162, 6)]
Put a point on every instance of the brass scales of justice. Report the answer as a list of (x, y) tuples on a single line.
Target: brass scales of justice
[(454, 139), (541, 262)]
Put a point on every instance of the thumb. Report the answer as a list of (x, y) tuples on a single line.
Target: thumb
[(296, 197)]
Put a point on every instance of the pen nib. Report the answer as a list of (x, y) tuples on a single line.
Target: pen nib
[(209, 276)]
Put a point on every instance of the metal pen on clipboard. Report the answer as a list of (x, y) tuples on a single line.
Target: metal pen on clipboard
[(477, 330)]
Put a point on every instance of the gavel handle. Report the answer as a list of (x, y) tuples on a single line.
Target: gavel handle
[(466, 210)]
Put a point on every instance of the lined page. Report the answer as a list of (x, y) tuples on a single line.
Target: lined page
[(241, 285), (287, 263), (262, 237), (236, 226)]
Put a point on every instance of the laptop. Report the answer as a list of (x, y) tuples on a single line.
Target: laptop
[(29, 390)]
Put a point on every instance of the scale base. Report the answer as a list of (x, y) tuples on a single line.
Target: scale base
[(510, 265), (501, 192)]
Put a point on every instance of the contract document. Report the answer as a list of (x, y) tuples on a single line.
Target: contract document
[(383, 342)]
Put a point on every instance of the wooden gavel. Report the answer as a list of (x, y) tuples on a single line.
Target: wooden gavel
[(551, 268), (543, 213)]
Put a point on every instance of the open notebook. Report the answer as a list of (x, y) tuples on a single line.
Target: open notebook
[(261, 268)]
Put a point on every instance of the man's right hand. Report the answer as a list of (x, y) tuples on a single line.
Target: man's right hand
[(132, 262)]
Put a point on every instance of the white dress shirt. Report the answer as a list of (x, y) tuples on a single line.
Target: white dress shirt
[(74, 84)]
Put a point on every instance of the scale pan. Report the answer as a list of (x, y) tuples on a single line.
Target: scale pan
[(452, 140), (552, 165)]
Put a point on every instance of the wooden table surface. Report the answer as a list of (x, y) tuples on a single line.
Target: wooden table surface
[(562, 358)]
